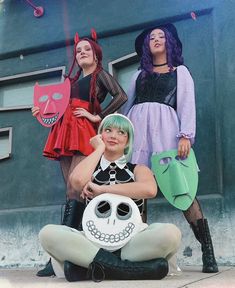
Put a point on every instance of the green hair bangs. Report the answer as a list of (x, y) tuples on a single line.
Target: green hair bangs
[(121, 122)]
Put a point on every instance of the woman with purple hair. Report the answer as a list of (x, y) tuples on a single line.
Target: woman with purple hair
[(161, 105)]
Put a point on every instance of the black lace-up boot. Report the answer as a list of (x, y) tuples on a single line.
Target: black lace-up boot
[(74, 272), (202, 234), (73, 218), (47, 271), (107, 265), (73, 213)]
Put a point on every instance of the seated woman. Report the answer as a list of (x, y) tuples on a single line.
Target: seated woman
[(146, 254)]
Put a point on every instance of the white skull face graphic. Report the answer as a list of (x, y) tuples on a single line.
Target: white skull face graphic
[(111, 221)]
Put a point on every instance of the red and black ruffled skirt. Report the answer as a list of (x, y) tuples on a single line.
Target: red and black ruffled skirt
[(70, 134)]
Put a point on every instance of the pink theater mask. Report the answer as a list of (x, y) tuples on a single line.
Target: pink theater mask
[(52, 100)]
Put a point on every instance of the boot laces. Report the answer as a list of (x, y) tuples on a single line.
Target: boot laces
[(68, 208)]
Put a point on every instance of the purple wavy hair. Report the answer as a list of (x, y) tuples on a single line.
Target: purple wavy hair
[(173, 53)]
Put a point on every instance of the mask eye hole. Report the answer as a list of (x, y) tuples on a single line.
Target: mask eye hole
[(124, 211), (165, 160), (103, 209), (43, 98), (178, 158), (57, 96)]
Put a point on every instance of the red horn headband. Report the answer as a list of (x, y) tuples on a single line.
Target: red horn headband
[(93, 36), (76, 38)]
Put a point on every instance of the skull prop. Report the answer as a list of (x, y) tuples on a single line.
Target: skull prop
[(52, 100), (110, 221)]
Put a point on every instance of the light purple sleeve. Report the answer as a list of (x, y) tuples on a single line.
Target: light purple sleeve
[(186, 104), (130, 94)]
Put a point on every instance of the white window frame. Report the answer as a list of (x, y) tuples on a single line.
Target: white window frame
[(124, 61), (35, 75), (3, 132)]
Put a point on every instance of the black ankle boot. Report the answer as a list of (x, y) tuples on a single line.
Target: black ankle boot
[(73, 218), (47, 271), (73, 213), (74, 272), (202, 234), (107, 265)]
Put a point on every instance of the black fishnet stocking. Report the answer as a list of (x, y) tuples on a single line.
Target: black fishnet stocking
[(194, 212), (67, 165)]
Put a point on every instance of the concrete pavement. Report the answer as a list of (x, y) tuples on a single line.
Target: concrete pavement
[(190, 278)]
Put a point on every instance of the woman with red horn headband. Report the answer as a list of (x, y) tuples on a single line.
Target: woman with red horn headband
[(68, 140)]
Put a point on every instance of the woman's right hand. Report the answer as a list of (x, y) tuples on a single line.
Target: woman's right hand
[(35, 110), (184, 147), (97, 142)]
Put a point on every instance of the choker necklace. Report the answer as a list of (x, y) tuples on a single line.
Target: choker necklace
[(159, 65)]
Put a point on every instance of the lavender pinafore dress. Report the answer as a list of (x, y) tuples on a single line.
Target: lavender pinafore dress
[(162, 111)]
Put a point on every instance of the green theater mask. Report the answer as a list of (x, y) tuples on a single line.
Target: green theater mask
[(176, 177)]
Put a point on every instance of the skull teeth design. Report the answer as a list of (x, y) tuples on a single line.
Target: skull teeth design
[(110, 238), (50, 121)]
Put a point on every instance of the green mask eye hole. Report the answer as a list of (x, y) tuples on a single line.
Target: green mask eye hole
[(165, 160), (178, 158)]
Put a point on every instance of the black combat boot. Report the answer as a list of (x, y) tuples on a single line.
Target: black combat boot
[(47, 271), (73, 218), (107, 265), (202, 234), (73, 213), (74, 272)]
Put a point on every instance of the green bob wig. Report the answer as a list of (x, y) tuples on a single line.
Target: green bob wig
[(120, 121)]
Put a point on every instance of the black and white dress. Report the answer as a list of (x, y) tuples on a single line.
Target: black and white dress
[(118, 172)]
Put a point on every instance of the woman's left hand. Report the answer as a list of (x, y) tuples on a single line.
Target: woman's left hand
[(91, 190), (184, 147), (81, 112)]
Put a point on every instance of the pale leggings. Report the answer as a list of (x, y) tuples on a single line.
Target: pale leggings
[(63, 243)]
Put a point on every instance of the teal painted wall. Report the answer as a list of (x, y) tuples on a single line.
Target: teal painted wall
[(32, 191)]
